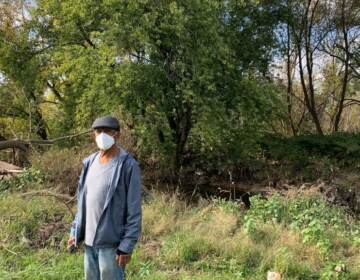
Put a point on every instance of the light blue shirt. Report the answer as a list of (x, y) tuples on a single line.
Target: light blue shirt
[(97, 184)]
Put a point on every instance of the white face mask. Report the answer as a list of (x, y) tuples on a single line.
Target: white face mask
[(104, 141)]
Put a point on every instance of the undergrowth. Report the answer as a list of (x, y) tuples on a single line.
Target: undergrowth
[(300, 236)]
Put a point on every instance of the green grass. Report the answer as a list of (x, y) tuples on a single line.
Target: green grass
[(299, 236)]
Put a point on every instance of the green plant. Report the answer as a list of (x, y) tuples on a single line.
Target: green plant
[(335, 270), (29, 176), (145, 268), (227, 205), (312, 216)]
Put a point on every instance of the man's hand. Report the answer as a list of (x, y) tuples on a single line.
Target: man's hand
[(122, 259), (71, 245)]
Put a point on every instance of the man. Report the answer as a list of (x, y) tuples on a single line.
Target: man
[(109, 215)]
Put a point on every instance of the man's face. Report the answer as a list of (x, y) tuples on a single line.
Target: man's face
[(109, 131)]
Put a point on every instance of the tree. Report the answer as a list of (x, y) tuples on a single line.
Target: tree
[(21, 67), (341, 45), (186, 57), (164, 64), (320, 31)]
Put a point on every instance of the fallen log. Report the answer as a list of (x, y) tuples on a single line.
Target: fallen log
[(8, 170), (49, 193), (5, 166), (24, 144)]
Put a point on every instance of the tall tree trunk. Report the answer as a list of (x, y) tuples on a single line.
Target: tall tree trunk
[(305, 33), (289, 82), (181, 126), (38, 124), (309, 104), (340, 105)]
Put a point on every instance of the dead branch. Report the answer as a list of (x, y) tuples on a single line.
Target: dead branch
[(24, 144), (5, 248), (66, 199), (48, 193)]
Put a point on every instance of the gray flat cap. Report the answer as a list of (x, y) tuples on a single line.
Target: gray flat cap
[(106, 121)]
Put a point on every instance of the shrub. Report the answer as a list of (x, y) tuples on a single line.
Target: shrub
[(29, 177), (317, 221), (61, 167)]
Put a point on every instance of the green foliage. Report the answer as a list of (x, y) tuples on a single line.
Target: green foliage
[(185, 76), (46, 264), (29, 177), (314, 156), (190, 246), (226, 205), (318, 222), (339, 146), (60, 167), (182, 78), (181, 249), (329, 272), (228, 134)]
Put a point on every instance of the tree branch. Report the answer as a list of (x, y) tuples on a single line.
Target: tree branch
[(23, 144)]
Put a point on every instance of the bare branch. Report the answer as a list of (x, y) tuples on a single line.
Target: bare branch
[(23, 144)]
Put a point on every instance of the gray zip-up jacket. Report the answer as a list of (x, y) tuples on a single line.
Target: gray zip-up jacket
[(120, 222)]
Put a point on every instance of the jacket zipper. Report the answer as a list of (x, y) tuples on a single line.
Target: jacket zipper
[(102, 213)]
